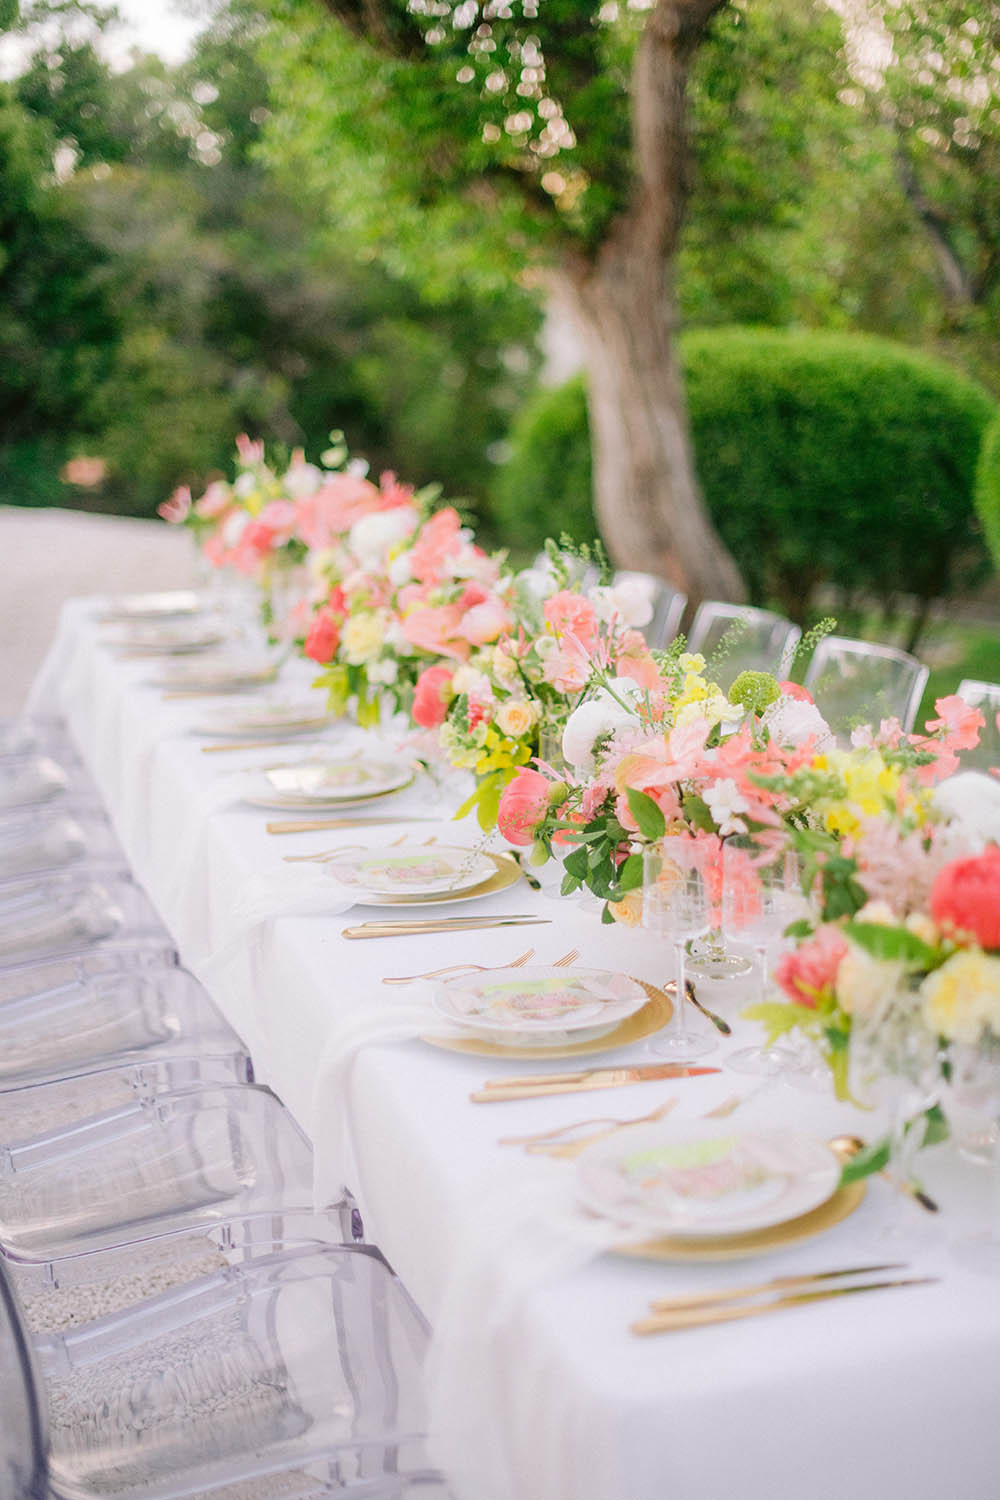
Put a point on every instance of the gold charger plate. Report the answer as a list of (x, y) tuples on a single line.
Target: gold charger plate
[(507, 872), (641, 1023), (758, 1241)]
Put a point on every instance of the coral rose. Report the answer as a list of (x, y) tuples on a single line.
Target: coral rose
[(323, 637), (965, 897), (431, 696), (523, 805)]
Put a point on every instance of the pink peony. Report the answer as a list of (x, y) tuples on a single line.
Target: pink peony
[(437, 540), (811, 970), (523, 805), (435, 630), (431, 698), (569, 614), (965, 897), (324, 636)]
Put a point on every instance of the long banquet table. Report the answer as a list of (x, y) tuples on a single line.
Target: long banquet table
[(546, 1394)]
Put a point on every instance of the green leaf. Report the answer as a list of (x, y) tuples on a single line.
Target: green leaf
[(871, 1159), (697, 812), (778, 1019), (607, 916), (630, 874), (892, 944), (650, 820), (569, 885), (800, 929), (576, 864)]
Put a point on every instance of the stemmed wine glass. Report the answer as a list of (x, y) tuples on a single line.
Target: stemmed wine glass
[(761, 896), (894, 1063), (676, 905)]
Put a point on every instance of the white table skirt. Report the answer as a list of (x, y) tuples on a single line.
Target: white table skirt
[(866, 1398)]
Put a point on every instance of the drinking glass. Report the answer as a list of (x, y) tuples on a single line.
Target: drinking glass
[(894, 1065), (676, 904), (761, 895)]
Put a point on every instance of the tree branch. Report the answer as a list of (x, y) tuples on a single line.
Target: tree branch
[(956, 281), (386, 25)]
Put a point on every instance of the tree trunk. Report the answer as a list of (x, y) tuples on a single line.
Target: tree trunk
[(646, 495)]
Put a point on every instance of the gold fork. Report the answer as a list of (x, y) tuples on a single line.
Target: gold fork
[(573, 1148), (323, 856), (515, 963), (567, 959)]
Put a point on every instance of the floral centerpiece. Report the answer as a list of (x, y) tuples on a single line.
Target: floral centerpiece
[(507, 704), (406, 591), (671, 753)]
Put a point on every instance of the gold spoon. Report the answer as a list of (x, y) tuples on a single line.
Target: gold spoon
[(848, 1146)]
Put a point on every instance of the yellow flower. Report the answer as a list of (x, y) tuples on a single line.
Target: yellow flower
[(361, 638), (862, 981), (690, 661), (962, 998), (516, 717)]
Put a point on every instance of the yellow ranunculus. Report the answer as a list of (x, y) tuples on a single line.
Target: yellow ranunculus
[(962, 998)]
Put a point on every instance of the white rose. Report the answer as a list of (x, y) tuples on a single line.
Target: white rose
[(972, 800), (468, 680), (864, 982), (371, 537), (400, 571), (302, 480), (629, 602), (516, 717)]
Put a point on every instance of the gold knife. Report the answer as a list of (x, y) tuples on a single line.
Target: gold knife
[(414, 929), (306, 825), (697, 1317), (534, 1087), (694, 1300)]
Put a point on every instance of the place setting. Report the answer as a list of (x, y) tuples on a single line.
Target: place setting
[(170, 637)]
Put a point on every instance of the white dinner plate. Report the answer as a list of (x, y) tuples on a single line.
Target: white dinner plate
[(248, 717), (702, 1180), (153, 606), (167, 637), (435, 871), (218, 674), (327, 784), (539, 1006)]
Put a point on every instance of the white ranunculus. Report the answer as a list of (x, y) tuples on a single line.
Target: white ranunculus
[(629, 603), (594, 719), (373, 535), (791, 721), (972, 799)]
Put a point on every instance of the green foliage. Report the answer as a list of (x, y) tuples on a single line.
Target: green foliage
[(817, 457), (647, 814), (754, 690), (987, 494)]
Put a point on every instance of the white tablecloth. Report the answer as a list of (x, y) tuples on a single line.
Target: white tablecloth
[(867, 1398)]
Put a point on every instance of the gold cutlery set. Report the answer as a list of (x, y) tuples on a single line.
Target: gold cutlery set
[(699, 1310), (414, 926)]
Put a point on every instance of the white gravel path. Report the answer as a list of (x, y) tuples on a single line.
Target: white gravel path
[(47, 555)]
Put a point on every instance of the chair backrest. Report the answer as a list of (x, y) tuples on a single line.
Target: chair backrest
[(760, 641), (857, 682), (668, 605), (22, 1428), (986, 697)]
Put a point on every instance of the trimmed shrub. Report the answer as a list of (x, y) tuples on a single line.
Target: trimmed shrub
[(988, 488), (824, 458)]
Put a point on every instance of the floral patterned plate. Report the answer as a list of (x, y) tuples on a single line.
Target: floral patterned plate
[(321, 785), (436, 871), (540, 1006), (704, 1181)]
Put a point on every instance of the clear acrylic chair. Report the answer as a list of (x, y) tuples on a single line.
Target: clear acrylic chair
[(668, 606), (122, 1018), (22, 1429), (759, 641), (857, 682), (44, 977), (169, 1161), (295, 1374), (34, 840), (986, 697), (64, 912)]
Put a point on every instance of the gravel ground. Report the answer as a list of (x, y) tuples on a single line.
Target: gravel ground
[(47, 556)]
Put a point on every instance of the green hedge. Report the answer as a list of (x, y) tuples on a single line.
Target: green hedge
[(824, 458), (988, 487)]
